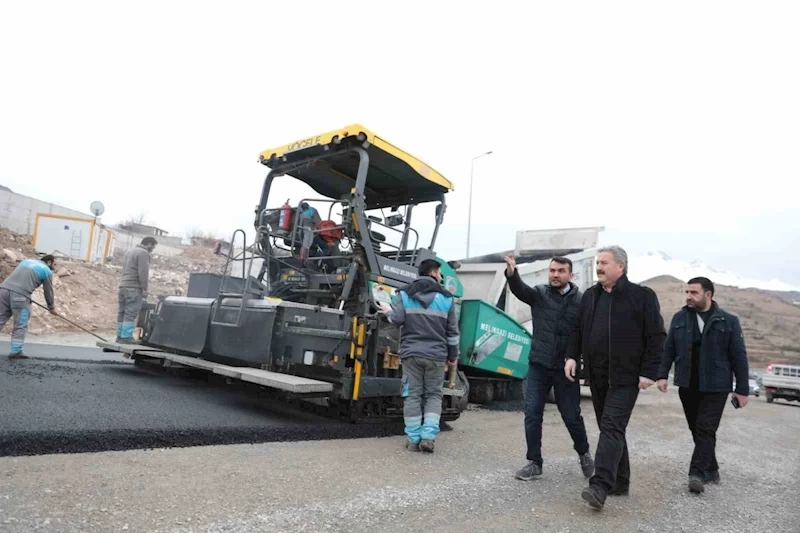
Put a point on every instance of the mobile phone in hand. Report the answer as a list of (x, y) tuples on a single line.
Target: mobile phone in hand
[(735, 402)]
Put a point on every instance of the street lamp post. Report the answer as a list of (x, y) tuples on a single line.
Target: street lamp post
[(469, 217)]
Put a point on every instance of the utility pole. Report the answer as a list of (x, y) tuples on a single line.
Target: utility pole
[(469, 218)]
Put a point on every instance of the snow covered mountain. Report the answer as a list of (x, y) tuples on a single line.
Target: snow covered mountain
[(654, 264)]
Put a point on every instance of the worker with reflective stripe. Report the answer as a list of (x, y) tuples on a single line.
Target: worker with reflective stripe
[(133, 288), (15, 297), (429, 342)]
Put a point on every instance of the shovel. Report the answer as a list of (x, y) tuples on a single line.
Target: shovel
[(451, 376)]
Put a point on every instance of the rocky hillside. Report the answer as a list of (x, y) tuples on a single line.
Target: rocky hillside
[(87, 293), (793, 297), (771, 324)]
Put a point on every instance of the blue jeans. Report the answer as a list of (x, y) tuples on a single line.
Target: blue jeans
[(568, 400)]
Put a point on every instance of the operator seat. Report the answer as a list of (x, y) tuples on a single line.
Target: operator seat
[(377, 238)]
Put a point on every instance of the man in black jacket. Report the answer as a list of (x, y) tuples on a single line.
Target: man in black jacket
[(707, 346), (554, 312), (620, 336)]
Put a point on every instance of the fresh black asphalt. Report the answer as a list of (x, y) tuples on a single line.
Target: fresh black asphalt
[(55, 352), (57, 405)]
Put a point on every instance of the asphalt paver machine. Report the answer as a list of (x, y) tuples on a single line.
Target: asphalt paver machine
[(305, 323)]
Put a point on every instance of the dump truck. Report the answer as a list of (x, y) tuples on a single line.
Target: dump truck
[(306, 325)]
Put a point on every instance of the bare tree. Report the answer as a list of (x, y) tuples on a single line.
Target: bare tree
[(136, 219), (200, 237)]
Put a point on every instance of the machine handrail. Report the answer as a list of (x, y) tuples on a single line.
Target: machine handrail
[(404, 232)]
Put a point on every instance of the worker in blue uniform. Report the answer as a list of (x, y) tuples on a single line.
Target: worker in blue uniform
[(15, 298)]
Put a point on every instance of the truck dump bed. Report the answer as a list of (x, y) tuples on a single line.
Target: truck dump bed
[(484, 278)]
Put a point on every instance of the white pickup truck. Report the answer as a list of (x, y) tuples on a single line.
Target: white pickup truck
[(782, 381)]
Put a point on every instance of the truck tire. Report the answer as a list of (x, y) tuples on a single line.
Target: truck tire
[(481, 392), (769, 397), (487, 393), (501, 391), (516, 390), (462, 402)]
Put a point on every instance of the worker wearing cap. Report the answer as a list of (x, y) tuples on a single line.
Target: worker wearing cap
[(428, 343), (15, 297), (133, 288)]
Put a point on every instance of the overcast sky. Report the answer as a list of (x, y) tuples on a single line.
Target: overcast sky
[(675, 125)]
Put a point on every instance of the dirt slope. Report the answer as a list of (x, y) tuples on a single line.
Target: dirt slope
[(771, 325), (87, 294)]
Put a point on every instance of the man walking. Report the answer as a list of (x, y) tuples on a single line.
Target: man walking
[(133, 288), (429, 342), (554, 314), (707, 346), (620, 336), (15, 297)]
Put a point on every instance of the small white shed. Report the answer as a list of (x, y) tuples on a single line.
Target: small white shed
[(78, 238)]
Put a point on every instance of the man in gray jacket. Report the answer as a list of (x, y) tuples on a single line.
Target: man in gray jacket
[(429, 343), (133, 288), (15, 297)]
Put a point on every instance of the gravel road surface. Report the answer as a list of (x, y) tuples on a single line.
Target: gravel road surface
[(66, 406), (374, 485)]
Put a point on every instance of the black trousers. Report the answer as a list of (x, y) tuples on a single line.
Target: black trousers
[(613, 407), (703, 413)]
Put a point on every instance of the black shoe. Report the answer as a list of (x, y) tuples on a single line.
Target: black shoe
[(696, 484), (587, 465), (17, 356), (594, 497), (712, 477), (529, 472), (621, 490), (426, 446), (128, 341)]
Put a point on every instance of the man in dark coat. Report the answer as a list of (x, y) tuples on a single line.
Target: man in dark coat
[(554, 313), (620, 337), (707, 346)]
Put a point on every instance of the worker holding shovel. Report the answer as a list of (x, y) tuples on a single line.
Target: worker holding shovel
[(15, 297)]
